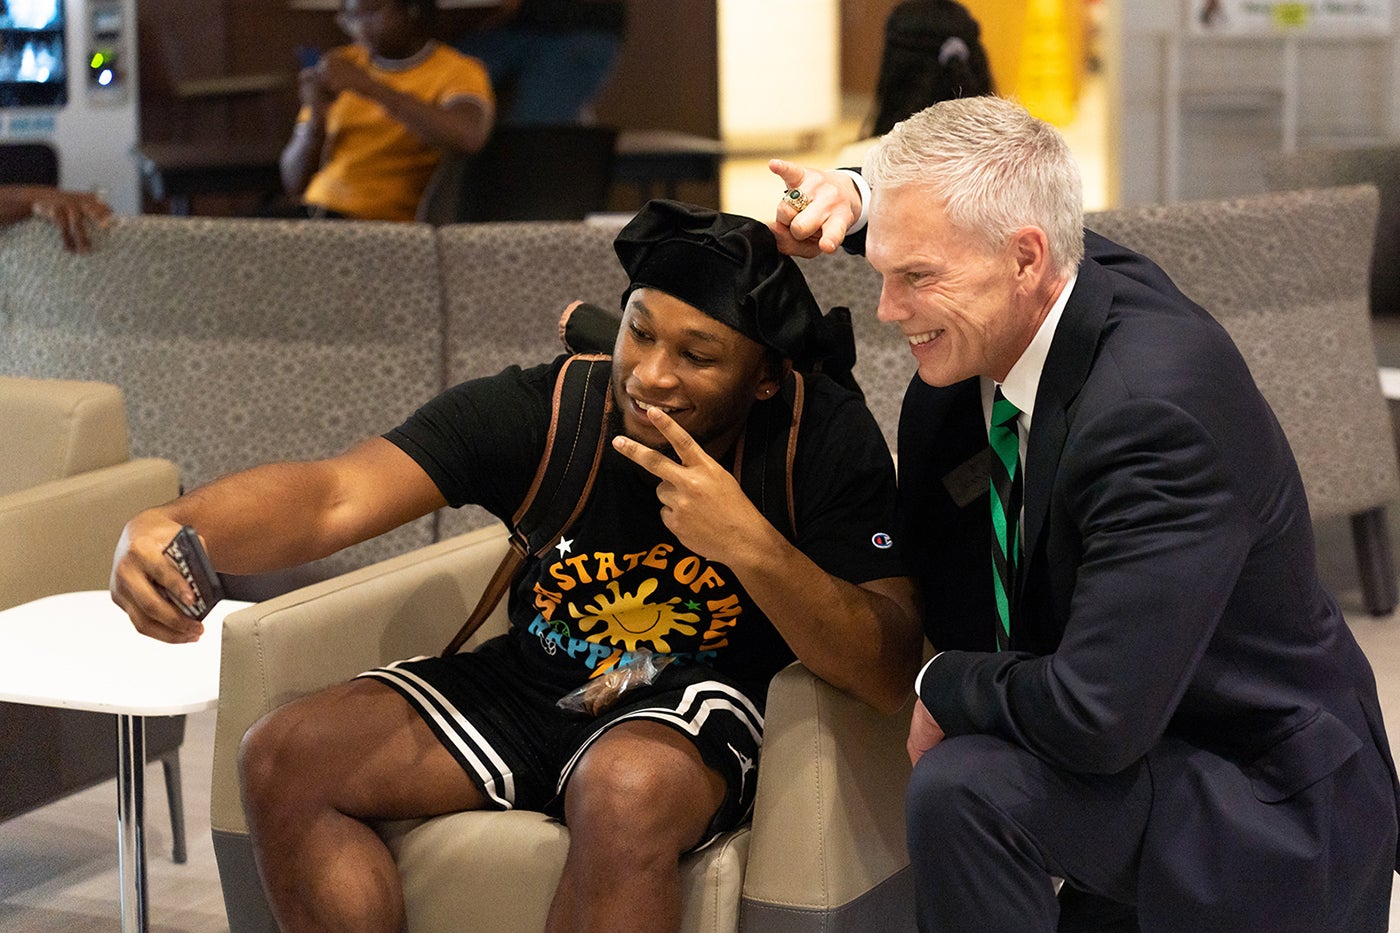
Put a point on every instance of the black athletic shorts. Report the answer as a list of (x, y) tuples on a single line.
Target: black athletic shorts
[(520, 748)]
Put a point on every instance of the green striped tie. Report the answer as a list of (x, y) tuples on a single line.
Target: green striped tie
[(1006, 509)]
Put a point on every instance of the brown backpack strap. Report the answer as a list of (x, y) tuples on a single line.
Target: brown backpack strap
[(578, 427), (490, 596), (766, 450)]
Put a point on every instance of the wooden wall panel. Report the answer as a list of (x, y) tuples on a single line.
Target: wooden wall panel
[(667, 74), (862, 40)]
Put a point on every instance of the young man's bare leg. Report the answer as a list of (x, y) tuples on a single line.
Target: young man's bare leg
[(640, 797), (312, 771)]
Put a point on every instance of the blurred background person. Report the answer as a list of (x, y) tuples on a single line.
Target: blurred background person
[(377, 115), (933, 52), (549, 59)]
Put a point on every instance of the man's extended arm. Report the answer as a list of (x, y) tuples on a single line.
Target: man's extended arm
[(836, 206), (272, 516)]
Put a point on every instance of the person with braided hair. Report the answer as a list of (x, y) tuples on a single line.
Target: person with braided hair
[(933, 52)]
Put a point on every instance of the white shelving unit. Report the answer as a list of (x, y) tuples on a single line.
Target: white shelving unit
[(1202, 105), (1283, 99)]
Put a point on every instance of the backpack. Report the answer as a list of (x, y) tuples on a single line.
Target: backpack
[(578, 435)]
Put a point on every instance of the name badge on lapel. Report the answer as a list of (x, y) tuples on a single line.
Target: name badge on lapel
[(971, 479)]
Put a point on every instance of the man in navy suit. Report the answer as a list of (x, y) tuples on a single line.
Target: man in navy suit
[(1180, 725)]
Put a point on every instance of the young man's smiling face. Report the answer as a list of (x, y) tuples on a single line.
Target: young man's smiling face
[(704, 374)]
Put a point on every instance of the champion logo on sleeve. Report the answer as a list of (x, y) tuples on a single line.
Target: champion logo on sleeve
[(882, 540)]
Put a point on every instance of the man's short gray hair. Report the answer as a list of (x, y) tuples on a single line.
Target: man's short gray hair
[(994, 167)]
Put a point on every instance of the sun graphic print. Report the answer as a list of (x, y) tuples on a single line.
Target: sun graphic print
[(629, 620)]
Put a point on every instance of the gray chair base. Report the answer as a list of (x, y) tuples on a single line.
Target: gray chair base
[(885, 907), (65, 751), (1371, 535), (244, 902)]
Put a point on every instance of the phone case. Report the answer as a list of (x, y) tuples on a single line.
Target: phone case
[(189, 557)]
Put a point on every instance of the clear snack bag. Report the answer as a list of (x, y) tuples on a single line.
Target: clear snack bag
[(603, 691)]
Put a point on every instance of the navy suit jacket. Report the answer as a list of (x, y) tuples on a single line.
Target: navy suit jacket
[(1168, 614)]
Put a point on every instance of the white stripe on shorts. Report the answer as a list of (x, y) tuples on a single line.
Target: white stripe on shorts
[(689, 716), (496, 778)]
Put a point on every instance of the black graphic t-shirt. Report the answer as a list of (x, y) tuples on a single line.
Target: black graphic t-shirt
[(618, 580)]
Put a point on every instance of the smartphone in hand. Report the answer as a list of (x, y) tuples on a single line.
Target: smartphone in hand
[(189, 557)]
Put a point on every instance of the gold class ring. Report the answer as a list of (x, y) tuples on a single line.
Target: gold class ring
[(796, 199)]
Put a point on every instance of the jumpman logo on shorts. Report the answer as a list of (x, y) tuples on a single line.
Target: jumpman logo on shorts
[(745, 766)]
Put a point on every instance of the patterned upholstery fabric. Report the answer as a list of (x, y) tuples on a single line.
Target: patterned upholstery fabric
[(235, 341), (884, 364), (504, 287), (1377, 165), (1286, 274)]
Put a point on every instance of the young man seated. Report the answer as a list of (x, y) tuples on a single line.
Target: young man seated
[(668, 554)]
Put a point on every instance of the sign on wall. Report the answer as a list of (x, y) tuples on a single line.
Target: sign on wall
[(1274, 17)]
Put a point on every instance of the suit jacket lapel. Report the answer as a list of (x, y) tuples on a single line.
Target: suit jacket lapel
[(1066, 367), (944, 517)]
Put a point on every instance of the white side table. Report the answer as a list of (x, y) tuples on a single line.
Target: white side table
[(79, 651)]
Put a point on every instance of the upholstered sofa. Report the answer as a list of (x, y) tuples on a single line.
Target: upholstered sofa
[(240, 341)]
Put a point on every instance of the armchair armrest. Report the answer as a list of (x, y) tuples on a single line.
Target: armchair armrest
[(322, 634), (58, 536), (828, 825)]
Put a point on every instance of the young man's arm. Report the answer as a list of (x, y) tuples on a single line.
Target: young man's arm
[(271, 516), (865, 639)]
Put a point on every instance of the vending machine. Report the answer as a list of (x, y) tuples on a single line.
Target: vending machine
[(68, 78)]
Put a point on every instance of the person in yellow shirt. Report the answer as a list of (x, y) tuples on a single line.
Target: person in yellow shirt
[(377, 115)]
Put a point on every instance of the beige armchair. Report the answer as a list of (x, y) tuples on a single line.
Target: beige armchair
[(825, 850), (67, 486)]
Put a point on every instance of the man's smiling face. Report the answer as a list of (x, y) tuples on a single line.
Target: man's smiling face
[(954, 300)]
